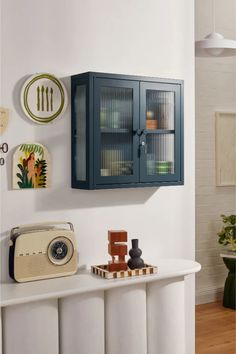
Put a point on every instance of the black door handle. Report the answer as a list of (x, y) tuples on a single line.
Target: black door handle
[(139, 132)]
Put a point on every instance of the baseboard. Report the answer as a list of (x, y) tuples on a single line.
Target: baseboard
[(209, 295)]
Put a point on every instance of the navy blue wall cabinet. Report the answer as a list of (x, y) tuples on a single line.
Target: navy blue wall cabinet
[(127, 131)]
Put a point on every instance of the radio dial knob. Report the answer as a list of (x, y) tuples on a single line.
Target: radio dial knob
[(60, 250)]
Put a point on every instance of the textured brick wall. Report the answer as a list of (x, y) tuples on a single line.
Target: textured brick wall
[(215, 91)]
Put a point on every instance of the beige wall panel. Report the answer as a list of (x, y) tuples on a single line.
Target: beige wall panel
[(226, 149)]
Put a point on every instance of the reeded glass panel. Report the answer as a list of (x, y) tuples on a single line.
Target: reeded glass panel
[(80, 112), (160, 110), (160, 154), (116, 122)]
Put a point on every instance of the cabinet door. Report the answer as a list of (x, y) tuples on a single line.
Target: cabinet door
[(160, 139), (79, 133), (116, 122)]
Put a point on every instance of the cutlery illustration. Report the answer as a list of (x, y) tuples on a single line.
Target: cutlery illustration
[(42, 95), (38, 98), (51, 98), (44, 99), (47, 100)]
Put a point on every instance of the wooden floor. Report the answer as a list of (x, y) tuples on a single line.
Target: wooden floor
[(215, 329)]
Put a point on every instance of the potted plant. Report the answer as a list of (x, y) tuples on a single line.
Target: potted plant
[(227, 236)]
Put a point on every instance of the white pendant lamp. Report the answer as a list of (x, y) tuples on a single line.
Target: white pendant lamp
[(214, 44)]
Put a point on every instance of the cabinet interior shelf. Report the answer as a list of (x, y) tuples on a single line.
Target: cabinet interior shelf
[(147, 131), (115, 130), (159, 131)]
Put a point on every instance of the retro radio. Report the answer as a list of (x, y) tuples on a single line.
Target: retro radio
[(42, 251)]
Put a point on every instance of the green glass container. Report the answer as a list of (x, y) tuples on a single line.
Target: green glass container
[(163, 167)]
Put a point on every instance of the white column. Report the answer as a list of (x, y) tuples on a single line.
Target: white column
[(82, 324), (0, 331), (126, 320), (166, 317), (31, 328), (189, 281)]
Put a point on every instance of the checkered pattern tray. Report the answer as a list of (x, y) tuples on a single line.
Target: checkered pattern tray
[(102, 271)]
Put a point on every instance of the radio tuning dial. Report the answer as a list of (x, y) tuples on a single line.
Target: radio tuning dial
[(60, 250)]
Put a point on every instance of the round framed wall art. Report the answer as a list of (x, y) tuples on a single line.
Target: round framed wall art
[(43, 98)]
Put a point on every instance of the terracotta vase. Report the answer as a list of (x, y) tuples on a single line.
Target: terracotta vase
[(135, 253)]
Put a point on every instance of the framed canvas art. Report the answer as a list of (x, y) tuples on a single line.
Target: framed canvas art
[(31, 166), (225, 148)]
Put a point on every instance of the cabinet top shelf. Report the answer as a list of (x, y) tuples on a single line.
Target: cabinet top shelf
[(13, 293), (102, 75)]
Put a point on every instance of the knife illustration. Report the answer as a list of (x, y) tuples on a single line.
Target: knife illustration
[(47, 100), (38, 98), (42, 95), (51, 98)]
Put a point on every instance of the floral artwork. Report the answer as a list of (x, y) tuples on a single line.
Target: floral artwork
[(31, 167)]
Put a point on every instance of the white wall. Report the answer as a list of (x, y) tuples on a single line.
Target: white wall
[(215, 91), (152, 37)]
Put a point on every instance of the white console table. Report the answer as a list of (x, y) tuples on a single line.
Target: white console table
[(85, 314)]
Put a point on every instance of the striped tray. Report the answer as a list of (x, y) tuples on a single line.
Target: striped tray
[(102, 271)]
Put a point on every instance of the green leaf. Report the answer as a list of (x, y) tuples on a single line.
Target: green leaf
[(20, 167), (19, 176)]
